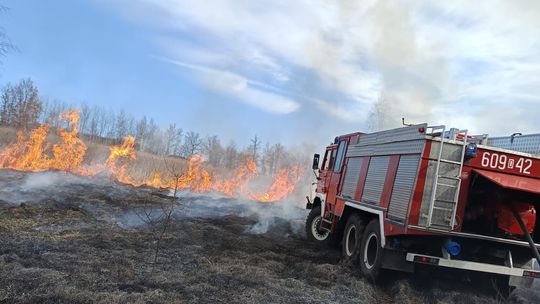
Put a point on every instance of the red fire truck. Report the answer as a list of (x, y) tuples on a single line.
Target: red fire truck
[(427, 195)]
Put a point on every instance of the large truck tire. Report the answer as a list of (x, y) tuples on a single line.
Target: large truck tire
[(352, 238), (313, 232), (317, 235), (371, 252)]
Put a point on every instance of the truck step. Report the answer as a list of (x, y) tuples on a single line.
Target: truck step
[(326, 220), (450, 177), (441, 226), (443, 209), (450, 162), (447, 185), (445, 201)]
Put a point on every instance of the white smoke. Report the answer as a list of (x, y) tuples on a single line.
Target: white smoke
[(30, 188), (42, 180), (16, 187), (50, 180), (286, 214)]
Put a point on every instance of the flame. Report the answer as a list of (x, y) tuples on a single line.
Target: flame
[(196, 179), (27, 153), (155, 181), (238, 183), (284, 184), (31, 152), (69, 154), (123, 152)]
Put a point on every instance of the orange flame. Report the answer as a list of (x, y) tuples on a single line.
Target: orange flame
[(30, 152), (69, 154), (27, 153), (284, 184), (233, 186), (124, 151)]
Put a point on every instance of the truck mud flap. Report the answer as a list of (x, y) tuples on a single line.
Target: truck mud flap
[(395, 260)]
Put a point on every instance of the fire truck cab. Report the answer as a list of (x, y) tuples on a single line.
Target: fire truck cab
[(428, 195)]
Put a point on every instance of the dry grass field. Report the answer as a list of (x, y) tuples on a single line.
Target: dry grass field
[(68, 239)]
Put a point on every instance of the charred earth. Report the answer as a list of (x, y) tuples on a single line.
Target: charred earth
[(69, 239)]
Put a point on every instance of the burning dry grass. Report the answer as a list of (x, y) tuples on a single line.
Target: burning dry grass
[(34, 152)]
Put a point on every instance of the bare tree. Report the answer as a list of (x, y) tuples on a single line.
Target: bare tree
[(151, 141), (160, 220), (51, 110), (274, 157), (7, 111), (109, 120), (231, 155), (121, 125), (84, 117), (254, 148), (178, 146), (21, 106), (266, 159), (131, 125), (213, 149), (173, 139), (140, 131), (92, 123), (100, 118), (192, 144)]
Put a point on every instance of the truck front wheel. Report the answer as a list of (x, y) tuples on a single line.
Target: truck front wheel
[(371, 252), (313, 222)]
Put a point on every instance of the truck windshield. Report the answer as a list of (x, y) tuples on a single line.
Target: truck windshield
[(340, 155)]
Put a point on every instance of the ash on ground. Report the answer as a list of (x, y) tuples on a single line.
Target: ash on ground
[(68, 239)]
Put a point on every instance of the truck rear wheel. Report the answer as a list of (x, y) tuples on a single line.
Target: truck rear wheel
[(371, 252), (313, 232), (352, 237)]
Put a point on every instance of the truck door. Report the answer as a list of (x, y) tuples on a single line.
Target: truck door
[(325, 173), (335, 172)]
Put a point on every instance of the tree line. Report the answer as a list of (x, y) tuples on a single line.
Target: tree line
[(22, 108)]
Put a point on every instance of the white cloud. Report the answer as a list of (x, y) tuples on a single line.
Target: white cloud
[(346, 113), (427, 59), (241, 89)]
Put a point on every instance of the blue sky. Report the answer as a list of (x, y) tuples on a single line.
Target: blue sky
[(290, 71)]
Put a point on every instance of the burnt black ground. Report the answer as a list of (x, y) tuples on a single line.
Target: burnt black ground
[(74, 240)]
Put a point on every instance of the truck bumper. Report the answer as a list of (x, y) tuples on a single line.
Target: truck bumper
[(473, 266)]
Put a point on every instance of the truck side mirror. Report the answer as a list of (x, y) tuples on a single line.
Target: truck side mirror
[(315, 161)]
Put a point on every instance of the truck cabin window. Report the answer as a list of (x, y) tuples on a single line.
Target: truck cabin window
[(326, 161), (340, 155), (332, 154)]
